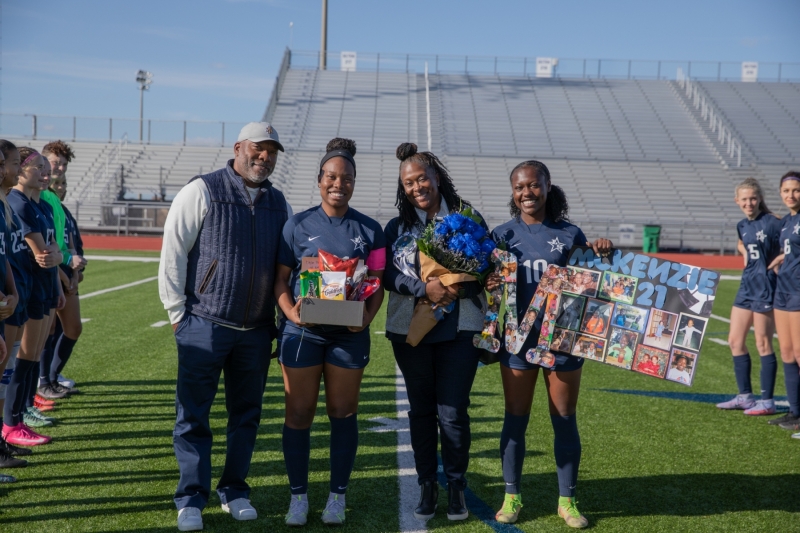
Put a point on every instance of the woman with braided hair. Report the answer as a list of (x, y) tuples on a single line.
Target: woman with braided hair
[(438, 371), (539, 234)]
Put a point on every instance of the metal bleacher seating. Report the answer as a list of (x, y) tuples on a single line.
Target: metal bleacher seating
[(625, 151)]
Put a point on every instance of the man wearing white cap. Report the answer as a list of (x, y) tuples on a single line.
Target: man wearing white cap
[(215, 280)]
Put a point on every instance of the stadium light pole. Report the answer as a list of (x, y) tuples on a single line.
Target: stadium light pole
[(291, 34), (323, 47), (144, 79)]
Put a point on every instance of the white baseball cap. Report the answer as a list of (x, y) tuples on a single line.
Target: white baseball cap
[(260, 131)]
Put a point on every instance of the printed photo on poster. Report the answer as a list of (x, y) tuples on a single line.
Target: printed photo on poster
[(582, 281), (617, 287), (650, 361), (621, 346), (541, 357), (597, 317), (690, 331), (562, 340), (569, 315), (681, 366), (660, 329), (589, 347), (629, 317), (507, 271)]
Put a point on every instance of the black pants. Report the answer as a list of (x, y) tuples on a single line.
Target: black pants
[(438, 380)]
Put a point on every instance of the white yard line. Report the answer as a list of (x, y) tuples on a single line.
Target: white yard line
[(159, 324), (725, 277), (406, 470), (112, 289), (718, 341), (85, 320), (122, 258)]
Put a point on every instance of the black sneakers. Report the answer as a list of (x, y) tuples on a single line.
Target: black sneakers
[(14, 451), (456, 508), (428, 496), (6, 461), (785, 419)]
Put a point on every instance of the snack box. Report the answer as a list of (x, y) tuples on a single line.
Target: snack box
[(329, 312), (332, 312)]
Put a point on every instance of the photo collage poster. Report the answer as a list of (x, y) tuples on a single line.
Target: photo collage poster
[(634, 311)]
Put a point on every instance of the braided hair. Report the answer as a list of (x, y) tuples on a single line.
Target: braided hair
[(407, 153), (556, 207), (755, 186)]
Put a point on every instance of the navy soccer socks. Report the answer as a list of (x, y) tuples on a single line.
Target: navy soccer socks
[(512, 450), (792, 383), (567, 444), (741, 367), (296, 454), (344, 445), (769, 369)]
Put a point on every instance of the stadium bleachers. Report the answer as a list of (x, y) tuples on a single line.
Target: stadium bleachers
[(625, 151)]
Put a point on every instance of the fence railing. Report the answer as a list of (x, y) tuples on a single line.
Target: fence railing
[(709, 112), (565, 67), (101, 129), (276, 89)]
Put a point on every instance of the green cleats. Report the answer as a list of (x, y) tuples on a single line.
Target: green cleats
[(509, 513), (31, 420), (568, 510)]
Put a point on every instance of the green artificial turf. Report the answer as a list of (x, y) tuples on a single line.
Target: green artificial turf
[(649, 463)]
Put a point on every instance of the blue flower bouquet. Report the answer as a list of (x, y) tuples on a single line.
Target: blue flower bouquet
[(455, 249)]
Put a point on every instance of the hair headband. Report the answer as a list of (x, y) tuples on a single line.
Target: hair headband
[(790, 178), (338, 153), (30, 156)]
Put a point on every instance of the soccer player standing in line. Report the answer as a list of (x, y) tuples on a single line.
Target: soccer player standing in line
[(758, 233), (215, 279), (787, 300), (310, 352), (539, 235)]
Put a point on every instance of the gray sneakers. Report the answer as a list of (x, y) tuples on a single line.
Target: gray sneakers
[(298, 510), (190, 519), (334, 510)]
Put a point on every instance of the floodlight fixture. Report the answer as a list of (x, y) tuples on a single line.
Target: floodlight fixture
[(144, 79)]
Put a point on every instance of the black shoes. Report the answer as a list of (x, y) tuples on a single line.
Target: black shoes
[(6, 461), (10, 449), (51, 392), (456, 507), (428, 496)]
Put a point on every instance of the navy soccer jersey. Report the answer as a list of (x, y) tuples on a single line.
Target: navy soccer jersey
[(46, 211), (761, 242), (787, 293), (536, 246), (32, 220), (353, 235), (18, 258)]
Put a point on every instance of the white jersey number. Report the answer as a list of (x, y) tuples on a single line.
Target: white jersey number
[(787, 247), (754, 253), (534, 271)]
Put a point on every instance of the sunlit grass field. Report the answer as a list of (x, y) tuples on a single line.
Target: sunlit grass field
[(657, 462)]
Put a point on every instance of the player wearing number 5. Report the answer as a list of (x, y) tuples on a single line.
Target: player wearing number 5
[(787, 300), (758, 243), (539, 234)]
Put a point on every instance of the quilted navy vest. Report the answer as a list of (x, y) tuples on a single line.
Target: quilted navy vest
[(231, 268)]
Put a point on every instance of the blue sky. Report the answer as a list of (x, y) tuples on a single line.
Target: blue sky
[(217, 59)]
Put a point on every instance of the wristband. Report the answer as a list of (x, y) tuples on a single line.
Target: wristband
[(67, 257)]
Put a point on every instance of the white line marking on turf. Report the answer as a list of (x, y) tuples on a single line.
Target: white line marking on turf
[(728, 320), (85, 320), (112, 289), (718, 341), (122, 258), (725, 277), (379, 332), (159, 324), (406, 469)]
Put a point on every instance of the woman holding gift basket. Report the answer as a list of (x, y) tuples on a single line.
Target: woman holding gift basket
[(432, 315), (339, 237), (539, 234)]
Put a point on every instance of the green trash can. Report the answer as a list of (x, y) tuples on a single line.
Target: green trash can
[(650, 238)]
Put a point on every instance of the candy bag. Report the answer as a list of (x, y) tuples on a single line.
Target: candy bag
[(369, 287), (310, 284), (354, 283)]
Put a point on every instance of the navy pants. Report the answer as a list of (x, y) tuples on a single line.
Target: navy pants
[(438, 379), (205, 350)]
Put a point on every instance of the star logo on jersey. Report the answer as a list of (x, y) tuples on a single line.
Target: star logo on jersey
[(358, 244), (761, 236), (555, 244), (796, 229)]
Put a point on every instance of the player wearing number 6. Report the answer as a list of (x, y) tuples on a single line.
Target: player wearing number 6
[(539, 234), (787, 300), (758, 243)]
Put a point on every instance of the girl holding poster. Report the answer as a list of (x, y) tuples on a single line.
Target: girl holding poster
[(758, 233), (539, 234), (787, 300)]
